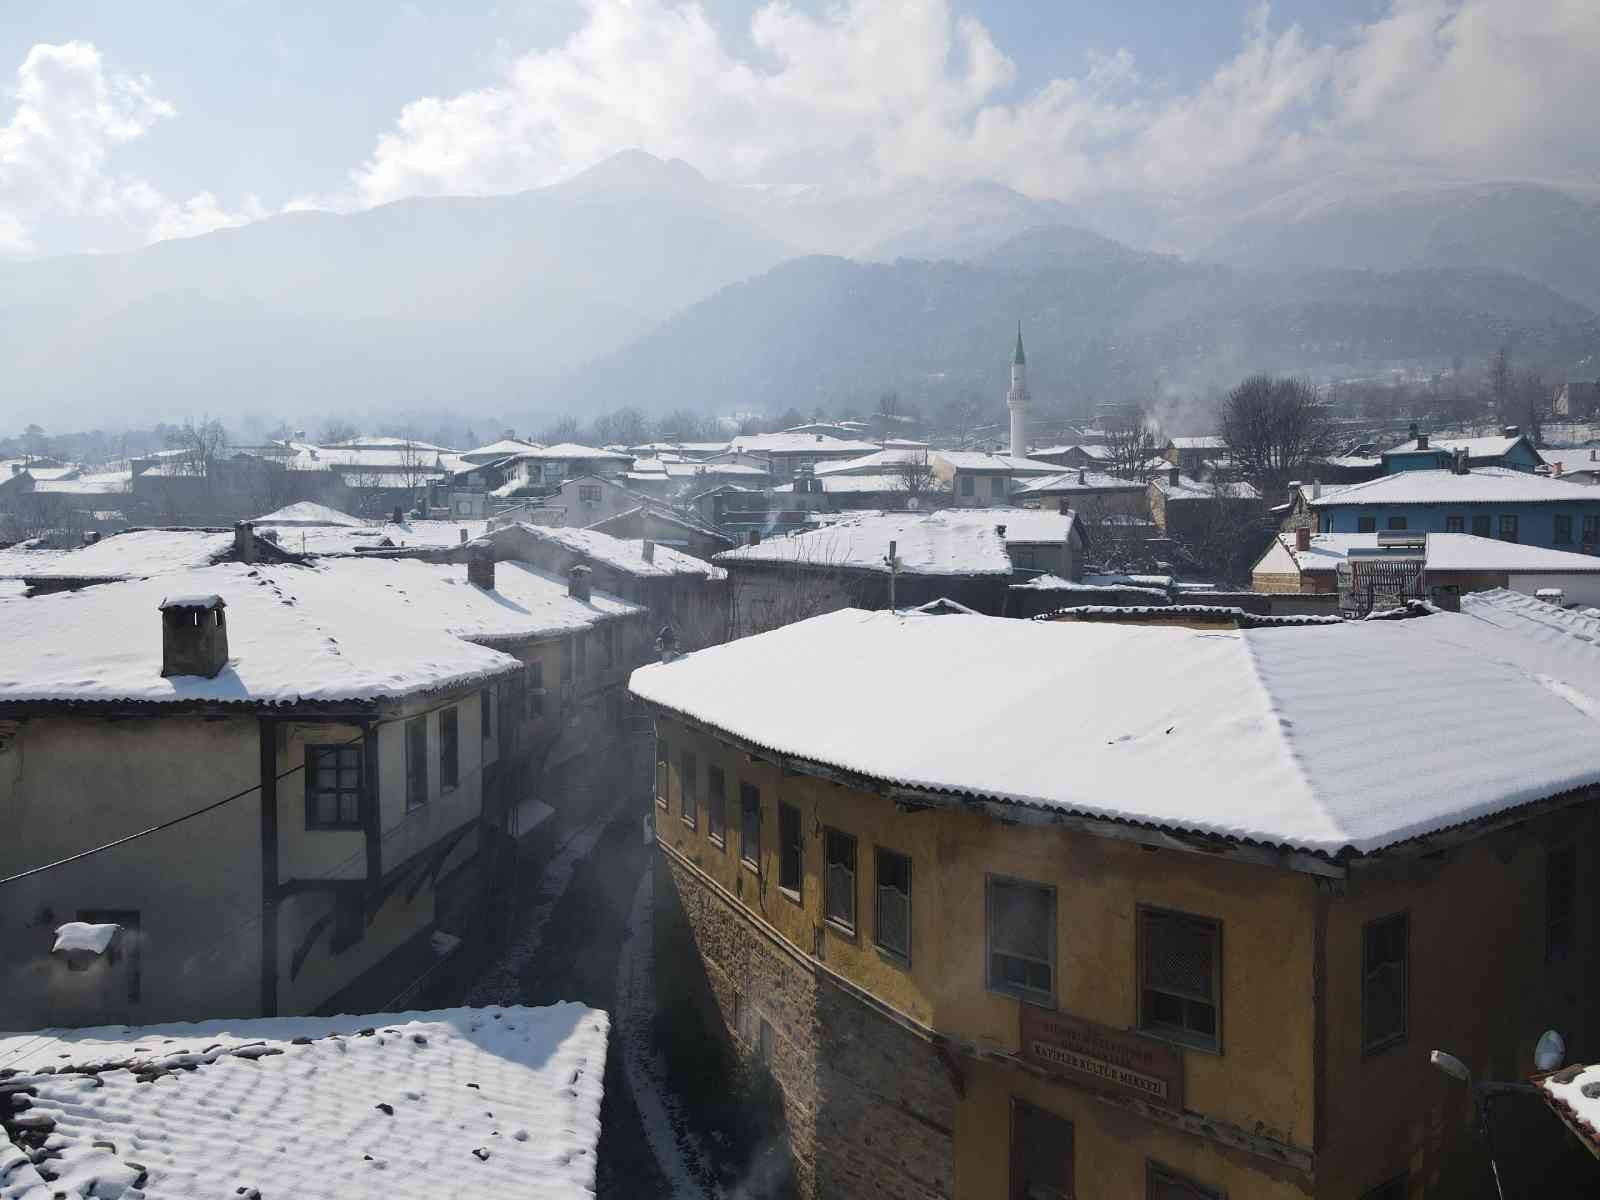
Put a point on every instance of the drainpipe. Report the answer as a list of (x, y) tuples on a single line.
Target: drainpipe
[(269, 867)]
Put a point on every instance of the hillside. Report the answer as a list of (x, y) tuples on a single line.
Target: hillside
[(1100, 320)]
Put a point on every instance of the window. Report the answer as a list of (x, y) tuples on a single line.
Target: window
[(1389, 1189), (1591, 530), (839, 880), (1563, 530), (750, 825), (663, 755), (1023, 559), (333, 787), (1022, 939), (966, 485), (1454, 523), (449, 751), (1366, 524), (1163, 1183), (891, 918), (486, 714), (416, 762), (791, 849), (1383, 982), (997, 486), (589, 493), (124, 948), (1179, 957), (1395, 523), (688, 786), (716, 805), (533, 688), (1508, 527), (1560, 909), (1480, 525), (1041, 1154)]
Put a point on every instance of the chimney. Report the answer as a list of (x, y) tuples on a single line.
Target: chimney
[(1063, 506), (1316, 489), (91, 536), (1083, 477), (578, 582), (667, 643), (397, 518), (648, 549), (16, 468), (1172, 476), (1461, 460), (1001, 530), (755, 537), (1413, 431), (1422, 441), (1555, 468), (1302, 539), (480, 568), (244, 542), (463, 533), (1511, 431), (194, 636)]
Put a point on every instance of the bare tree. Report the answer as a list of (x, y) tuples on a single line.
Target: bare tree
[(1222, 533), (1117, 541), (201, 445), (1134, 444), (336, 431), (916, 477), (1274, 429)]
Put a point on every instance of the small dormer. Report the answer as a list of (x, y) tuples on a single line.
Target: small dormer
[(194, 635)]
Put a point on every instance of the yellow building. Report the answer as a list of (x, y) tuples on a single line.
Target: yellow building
[(1060, 909)]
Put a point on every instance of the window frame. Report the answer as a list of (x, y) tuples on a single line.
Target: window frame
[(663, 772), (1395, 524), (1482, 521), (997, 487), (449, 749), (1374, 1046), (968, 487), (416, 763), (1455, 523), (533, 691), (1366, 524), (1561, 529), (688, 787), (1589, 529), (1157, 1173), (747, 791), (1021, 992), (315, 750), (902, 957), (588, 493), (788, 813), (1147, 1025), (851, 928), (717, 806), (1508, 522)]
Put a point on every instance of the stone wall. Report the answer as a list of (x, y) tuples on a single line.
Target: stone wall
[(868, 1108)]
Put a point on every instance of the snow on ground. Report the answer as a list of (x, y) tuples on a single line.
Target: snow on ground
[(1304, 737), (490, 1103), (502, 984)]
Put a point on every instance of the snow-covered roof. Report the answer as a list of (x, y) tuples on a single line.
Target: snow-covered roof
[(138, 553), (874, 463), (571, 450), (308, 512), (670, 516), (99, 485), (690, 470), (1481, 485), (1079, 480), (979, 460), (295, 634), (800, 443), (1200, 443), (388, 443), (1188, 488), (623, 554), (504, 448), (492, 1102), (905, 444), (1574, 1093), (1094, 451), (849, 485), (1281, 736), (1054, 583), (945, 542), (1461, 552), (353, 539), (1476, 447), (1585, 458)]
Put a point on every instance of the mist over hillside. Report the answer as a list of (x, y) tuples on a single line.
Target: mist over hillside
[(641, 282)]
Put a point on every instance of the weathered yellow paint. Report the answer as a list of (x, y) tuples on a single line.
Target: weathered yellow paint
[(1261, 1082)]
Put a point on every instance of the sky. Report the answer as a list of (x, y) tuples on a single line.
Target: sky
[(122, 124)]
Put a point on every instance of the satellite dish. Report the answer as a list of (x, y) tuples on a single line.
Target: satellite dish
[(1551, 1051)]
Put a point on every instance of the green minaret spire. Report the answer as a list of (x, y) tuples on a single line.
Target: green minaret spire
[(1019, 357)]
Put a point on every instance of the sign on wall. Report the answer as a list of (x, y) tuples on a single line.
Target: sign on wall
[(1084, 1052)]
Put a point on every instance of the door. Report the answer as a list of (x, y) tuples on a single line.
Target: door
[(1041, 1154)]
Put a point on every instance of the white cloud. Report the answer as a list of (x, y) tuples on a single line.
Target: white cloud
[(879, 91), (71, 114)]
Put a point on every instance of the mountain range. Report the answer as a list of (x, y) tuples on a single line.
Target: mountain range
[(642, 282)]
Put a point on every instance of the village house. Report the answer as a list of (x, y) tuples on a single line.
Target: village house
[(1096, 457), (978, 479), (1090, 493), (374, 721), (1192, 455), (970, 557), (1503, 502), (1168, 919), (1182, 506), (1573, 465), (673, 528), (503, 1103), (1511, 449), (785, 453), (542, 471)]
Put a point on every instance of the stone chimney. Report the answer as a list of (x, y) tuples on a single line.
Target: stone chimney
[(1461, 460), (1555, 467), (1083, 477), (1302, 539), (1422, 441), (667, 643), (648, 549), (480, 568), (1511, 431), (578, 581), (194, 635), (244, 542)]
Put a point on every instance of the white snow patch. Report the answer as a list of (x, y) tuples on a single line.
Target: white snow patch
[(81, 935)]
